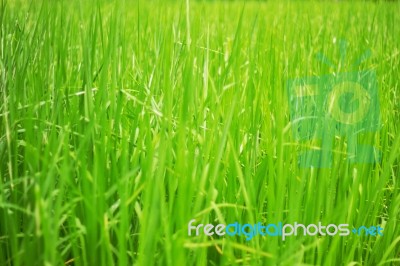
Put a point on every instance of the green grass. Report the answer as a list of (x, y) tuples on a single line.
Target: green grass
[(122, 121)]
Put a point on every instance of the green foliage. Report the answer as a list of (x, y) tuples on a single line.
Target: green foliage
[(121, 121)]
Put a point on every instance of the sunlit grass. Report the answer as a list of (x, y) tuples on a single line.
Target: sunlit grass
[(121, 122)]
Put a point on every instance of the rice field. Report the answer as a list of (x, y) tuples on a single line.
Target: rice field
[(122, 121)]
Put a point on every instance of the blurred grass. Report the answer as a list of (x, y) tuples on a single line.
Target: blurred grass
[(121, 121)]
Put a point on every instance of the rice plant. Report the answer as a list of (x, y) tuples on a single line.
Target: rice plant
[(122, 121)]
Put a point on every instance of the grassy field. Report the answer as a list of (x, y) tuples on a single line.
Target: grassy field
[(121, 121)]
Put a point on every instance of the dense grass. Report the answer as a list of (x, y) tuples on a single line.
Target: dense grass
[(121, 121)]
